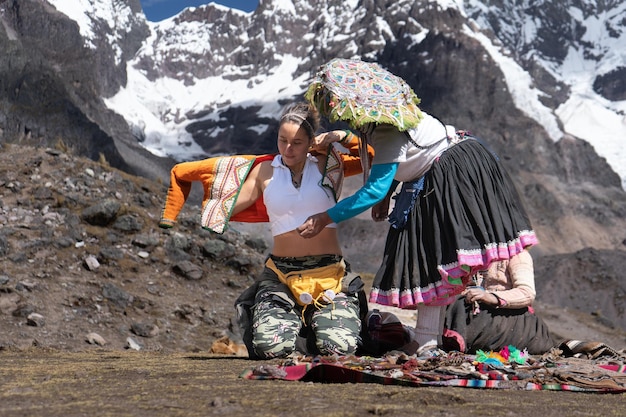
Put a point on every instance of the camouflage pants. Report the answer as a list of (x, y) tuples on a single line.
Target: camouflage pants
[(278, 321)]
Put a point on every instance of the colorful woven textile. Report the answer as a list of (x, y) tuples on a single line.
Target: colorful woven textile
[(230, 174), (361, 92), (455, 370), (222, 177)]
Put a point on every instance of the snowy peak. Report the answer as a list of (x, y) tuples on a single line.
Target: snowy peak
[(198, 43), (212, 79), (565, 37), (562, 62), (114, 25)]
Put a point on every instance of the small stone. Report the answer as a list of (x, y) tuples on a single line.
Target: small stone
[(131, 344), (95, 339), (91, 262), (188, 270), (145, 329), (25, 285), (36, 320)]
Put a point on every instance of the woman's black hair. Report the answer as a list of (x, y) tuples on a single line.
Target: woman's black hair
[(303, 114)]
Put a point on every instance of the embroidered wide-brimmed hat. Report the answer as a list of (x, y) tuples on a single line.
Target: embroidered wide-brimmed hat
[(361, 92)]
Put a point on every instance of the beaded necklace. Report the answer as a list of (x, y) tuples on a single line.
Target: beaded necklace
[(296, 179), (296, 182)]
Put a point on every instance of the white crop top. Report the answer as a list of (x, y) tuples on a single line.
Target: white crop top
[(287, 206)]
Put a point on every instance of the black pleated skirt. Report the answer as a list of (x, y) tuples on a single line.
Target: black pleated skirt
[(468, 215)]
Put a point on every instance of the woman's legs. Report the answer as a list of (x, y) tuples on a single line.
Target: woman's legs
[(337, 326), (429, 327), (275, 322)]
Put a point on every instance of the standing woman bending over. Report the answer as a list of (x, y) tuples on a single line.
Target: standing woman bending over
[(464, 214)]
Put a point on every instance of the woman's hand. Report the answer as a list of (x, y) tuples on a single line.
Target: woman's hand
[(313, 225), (479, 295), (323, 140), (380, 211)]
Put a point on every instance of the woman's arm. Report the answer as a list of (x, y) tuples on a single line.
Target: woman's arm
[(350, 156), (252, 187), (372, 192), (380, 211), (521, 273)]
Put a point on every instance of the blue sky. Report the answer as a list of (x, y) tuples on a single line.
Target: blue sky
[(156, 10)]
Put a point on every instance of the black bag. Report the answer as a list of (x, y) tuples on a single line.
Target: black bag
[(384, 332)]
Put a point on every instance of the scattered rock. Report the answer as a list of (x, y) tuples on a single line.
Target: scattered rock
[(146, 240), (128, 223), (189, 270), (25, 286), (132, 344), (145, 329), (91, 262), (116, 295), (101, 214), (35, 319), (215, 249), (95, 339), (9, 303), (23, 310)]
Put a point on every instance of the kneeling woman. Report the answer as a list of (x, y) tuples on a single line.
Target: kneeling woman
[(326, 317), (498, 312)]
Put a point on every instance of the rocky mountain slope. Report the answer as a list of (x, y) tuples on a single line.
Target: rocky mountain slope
[(52, 83), (81, 253)]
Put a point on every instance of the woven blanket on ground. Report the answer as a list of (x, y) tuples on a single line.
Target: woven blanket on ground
[(453, 369)]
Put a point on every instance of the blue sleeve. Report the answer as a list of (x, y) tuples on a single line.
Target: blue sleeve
[(372, 192)]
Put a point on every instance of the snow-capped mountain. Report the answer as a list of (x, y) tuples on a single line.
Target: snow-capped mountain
[(543, 82), (581, 45), (564, 63)]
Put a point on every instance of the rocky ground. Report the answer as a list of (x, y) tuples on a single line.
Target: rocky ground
[(83, 262), (84, 266)]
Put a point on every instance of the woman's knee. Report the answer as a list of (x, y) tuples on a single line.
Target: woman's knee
[(337, 341), (337, 327), (274, 331)]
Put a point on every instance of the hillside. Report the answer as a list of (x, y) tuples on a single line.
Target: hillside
[(80, 253), (84, 265)]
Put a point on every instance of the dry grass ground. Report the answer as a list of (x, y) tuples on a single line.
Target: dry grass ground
[(40, 382)]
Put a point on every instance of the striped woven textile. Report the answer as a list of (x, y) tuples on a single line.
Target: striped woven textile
[(455, 370)]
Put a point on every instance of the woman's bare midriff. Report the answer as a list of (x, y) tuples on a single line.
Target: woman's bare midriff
[(292, 244)]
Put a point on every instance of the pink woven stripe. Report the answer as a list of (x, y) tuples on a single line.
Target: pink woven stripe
[(441, 295), (469, 262), (454, 276)]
